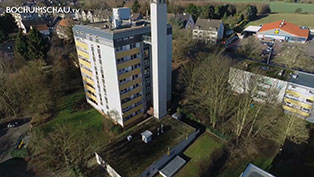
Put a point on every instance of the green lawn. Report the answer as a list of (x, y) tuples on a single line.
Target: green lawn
[(280, 7), (298, 19), (202, 149), (79, 120), (262, 161)]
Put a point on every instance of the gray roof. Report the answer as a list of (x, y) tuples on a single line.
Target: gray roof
[(253, 171), (172, 167), (35, 22), (206, 24), (183, 17), (304, 79), (147, 133)]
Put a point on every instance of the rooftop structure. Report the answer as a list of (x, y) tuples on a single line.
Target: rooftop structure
[(253, 171), (172, 167), (131, 158)]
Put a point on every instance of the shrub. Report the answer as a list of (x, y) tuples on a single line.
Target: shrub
[(21, 153), (116, 129), (298, 10)]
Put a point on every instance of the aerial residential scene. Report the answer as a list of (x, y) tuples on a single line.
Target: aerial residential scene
[(156, 88)]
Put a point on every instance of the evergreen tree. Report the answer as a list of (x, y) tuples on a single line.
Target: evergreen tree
[(136, 6), (21, 44), (37, 45)]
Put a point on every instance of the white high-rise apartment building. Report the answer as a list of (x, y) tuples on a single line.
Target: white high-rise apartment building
[(118, 70)]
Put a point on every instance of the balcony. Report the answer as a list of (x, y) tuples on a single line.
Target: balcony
[(85, 63), (82, 54), (131, 92), (298, 103), (87, 72), (130, 83), (128, 63), (137, 108), (81, 44), (127, 52), (130, 73), (87, 80), (132, 101)]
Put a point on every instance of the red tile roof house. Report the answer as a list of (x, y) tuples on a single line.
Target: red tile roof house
[(284, 31)]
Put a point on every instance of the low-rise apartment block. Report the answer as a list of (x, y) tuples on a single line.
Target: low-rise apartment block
[(208, 30), (293, 89)]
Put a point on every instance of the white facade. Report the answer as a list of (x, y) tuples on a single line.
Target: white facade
[(159, 56)]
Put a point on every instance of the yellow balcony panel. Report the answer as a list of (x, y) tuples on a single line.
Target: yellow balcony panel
[(83, 54), (128, 63), (297, 111), (129, 103), (91, 82), (85, 71), (297, 94), (130, 73), (127, 52), (91, 96), (140, 115), (128, 84), (85, 63), (90, 88), (304, 105), (130, 93), (139, 107), (81, 44)]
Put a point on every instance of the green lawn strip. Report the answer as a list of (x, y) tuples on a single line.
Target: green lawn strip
[(79, 119), (201, 149), (260, 161), (307, 19), (281, 7)]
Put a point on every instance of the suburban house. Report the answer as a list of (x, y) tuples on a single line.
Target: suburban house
[(19, 17), (186, 20), (42, 24), (99, 15), (63, 28), (293, 89), (208, 30), (284, 31)]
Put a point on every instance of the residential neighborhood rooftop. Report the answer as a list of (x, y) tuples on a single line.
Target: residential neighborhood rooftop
[(305, 79), (205, 24), (267, 70), (121, 153), (286, 74)]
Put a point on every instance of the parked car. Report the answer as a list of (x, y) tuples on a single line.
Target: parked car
[(12, 124), (177, 116)]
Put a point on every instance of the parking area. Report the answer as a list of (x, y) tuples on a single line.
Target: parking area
[(10, 136)]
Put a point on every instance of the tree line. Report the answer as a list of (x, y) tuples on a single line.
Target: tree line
[(209, 99)]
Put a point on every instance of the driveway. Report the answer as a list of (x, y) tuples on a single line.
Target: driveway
[(8, 139)]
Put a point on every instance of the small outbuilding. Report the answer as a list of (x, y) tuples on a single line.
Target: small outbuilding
[(147, 136)]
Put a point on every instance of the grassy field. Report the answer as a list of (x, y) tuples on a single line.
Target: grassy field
[(78, 119), (203, 148), (281, 7), (299, 19)]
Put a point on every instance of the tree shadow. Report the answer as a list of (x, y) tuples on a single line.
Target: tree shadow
[(295, 159), (15, 167)]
